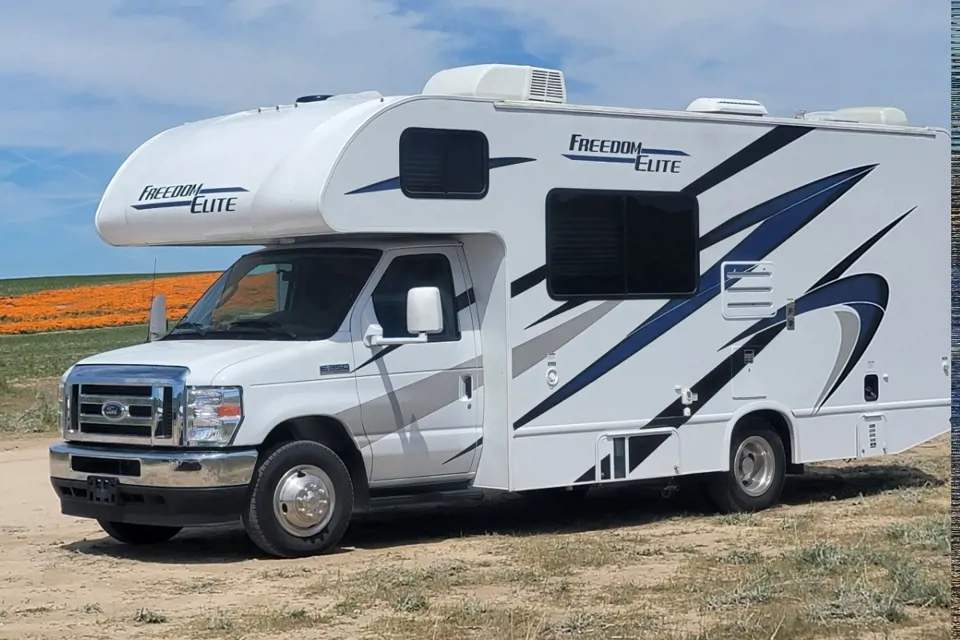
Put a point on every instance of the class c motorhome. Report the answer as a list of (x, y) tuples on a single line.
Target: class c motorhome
[(484, 287)]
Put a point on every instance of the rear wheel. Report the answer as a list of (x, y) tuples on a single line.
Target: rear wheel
[(138, 534), (301, 500), (757, 470)]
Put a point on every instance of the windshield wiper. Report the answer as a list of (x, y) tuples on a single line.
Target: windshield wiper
[(189, 328), (267, 326)]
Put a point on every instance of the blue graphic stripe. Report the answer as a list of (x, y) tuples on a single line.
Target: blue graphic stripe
[(163, 205), (393, 184), (625, 159), (390, 184), (814, 292), (782, 217), (867, 296), (205, 192)]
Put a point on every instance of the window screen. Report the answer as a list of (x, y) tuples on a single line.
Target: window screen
[(443, 163), (613, 245)]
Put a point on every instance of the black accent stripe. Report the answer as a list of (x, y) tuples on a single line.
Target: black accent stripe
[(642, 447), (464, 300), (590, 475), (569, 305), (528, 281), (857, 253), (605, 468), (766, 145), (467, 450), (393, 184), (496, 163), (379, 354)]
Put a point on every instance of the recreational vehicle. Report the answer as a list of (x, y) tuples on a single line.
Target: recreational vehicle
[(484, 287)]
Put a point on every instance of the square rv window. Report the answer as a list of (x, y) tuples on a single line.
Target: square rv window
[(443, 163), (609, 245)]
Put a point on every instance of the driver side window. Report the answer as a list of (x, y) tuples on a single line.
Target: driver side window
[(405, 273)]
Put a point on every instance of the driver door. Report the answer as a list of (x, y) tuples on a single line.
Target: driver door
[(421, 404)]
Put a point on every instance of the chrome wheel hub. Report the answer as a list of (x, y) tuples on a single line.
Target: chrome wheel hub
[(754, 466), (304, 501)]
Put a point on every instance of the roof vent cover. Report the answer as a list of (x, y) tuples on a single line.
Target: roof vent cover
[(733, 106), (500, 82), (547, 85)]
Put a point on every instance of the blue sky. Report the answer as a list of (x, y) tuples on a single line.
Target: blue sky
[(84, 83)]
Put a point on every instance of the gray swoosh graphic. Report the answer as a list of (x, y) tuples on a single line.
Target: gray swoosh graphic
[(849, 331), (402, 407), (536, 349)]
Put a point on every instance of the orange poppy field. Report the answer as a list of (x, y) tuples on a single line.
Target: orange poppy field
[(104, 305)]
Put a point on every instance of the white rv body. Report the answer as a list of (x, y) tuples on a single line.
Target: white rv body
[(830, 239)]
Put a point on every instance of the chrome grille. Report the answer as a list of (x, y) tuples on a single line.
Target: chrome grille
[(124, 404)]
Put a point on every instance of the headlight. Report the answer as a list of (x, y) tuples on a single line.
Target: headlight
[(213, 415)]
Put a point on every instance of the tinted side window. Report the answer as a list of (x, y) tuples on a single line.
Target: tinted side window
[(405, 273), (443, 163), (616, 245)]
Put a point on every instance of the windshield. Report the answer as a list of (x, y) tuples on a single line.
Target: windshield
[(289, 294)]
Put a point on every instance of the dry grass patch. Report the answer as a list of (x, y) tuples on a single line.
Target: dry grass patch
[(28, 407)]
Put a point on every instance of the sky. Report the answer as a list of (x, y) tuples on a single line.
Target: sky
[(84, 83)]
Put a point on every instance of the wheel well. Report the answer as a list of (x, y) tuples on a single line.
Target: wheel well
[(779, 423), (332, 433)]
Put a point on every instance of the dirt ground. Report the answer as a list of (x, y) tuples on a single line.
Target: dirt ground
[(855, 551)]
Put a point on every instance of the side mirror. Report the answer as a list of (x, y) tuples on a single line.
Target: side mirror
[(424, 311), (424, 317), (158, 318)]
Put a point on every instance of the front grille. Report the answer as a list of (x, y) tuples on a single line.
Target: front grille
[(124, 404), (136, 419)]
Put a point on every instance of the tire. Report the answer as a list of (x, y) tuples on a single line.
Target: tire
[(305, 468), (729, 491), (138, 534)]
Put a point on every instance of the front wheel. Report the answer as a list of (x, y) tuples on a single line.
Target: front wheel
[(301, 501), (757, 470), (138, 534)]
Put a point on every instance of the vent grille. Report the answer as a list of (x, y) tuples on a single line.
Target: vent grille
[(141, 405), (547, 86)]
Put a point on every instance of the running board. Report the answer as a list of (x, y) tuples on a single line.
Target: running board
[(378, 502)]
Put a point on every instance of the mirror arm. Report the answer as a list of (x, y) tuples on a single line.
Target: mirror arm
[(380, 341)]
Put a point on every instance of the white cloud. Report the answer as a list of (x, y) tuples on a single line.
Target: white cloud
[(819, 54), (106, 74), (197, 58)]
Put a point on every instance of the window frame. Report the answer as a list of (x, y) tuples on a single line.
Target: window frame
[(548, 245), (409, 132), (457, 333)]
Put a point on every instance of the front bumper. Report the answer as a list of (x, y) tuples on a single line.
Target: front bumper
[(166, 488)]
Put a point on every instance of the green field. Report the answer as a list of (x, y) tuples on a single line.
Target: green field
[(40, 356), (46, 355), (20, 286), (30, 364)]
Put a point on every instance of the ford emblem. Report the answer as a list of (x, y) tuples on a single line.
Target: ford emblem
[(113, 410)]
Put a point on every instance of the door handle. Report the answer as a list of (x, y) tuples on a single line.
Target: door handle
[(467, 382)]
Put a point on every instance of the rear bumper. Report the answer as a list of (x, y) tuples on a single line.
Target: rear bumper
[(171, 488)]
